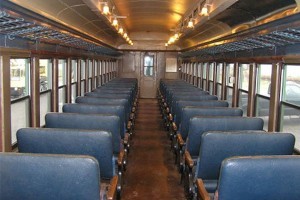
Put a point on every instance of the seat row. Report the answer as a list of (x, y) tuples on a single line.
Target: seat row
[(219, 153), (94, 137)]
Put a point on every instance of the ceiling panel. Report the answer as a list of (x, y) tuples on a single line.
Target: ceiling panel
[(152, 15)]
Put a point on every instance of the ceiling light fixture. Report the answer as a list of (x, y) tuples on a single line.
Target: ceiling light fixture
[(190, 23), (121, 30), (115, 22), (105, 9), (205, 9)]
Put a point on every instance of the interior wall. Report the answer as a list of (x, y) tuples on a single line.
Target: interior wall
[(131, 66)]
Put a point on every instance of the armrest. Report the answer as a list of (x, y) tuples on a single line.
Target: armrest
[(201, 190), (170, 117), (188, 159), (133, 109), (180, 140), (174, 127), (121, 159), (129, 124), (126, 139), (131, 117), (112, 190)]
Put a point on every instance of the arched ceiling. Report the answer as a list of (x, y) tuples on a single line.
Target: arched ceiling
[(157, 16)]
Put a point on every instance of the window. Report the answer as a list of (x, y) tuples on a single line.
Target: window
[(229, 82), (20, 108), (219, 79), (171, 65), (45, 88), (61, 83), (264, 72), (19, 78), (290, 104), (243, 87), (148, 65)]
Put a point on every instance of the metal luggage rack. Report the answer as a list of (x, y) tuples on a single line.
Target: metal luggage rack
[(274, 39), (279, 34), (13, 27)]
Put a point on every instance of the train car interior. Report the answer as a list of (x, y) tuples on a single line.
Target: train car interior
[(150, 99)]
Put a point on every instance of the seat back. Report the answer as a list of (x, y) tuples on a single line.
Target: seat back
[(106, 101), (217, 146), (199, 125), (191, 98), (70, 141), (189, 112), (260, 177), (209, 103), (110, 123), (48, 177), (98, 109)]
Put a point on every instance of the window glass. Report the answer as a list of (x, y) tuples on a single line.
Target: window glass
[(199, 69), (83, 69), (148, 65), (229, 96), (264, 79), (204, 70), (211, 71), (243, 102), (219, 72), (90, 68), (230, 74), (45, 106), (74, 93), (290, 122), (62, 72), (19, 78), (262, 110), (291, 84), (244, 77), (74, 71), (45, 74), (96, 68)]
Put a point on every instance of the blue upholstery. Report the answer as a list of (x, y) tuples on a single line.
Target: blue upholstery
[(98, 109), (189, 112), (106, 101), (70, 141), (191, 98), (217, 146), (199, 125), (209, 103), (48, 177), (260, 177), (108, 95), (109, 123)]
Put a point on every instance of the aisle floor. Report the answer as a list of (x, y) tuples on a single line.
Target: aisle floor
[(151, 173)]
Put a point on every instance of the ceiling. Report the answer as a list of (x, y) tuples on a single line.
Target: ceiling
[(157, 16)]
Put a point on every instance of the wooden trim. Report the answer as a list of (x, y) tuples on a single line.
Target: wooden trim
[(35, 92), (54, 93), (93, 75), (78, 77), (112, 191), (215, 79), (5, 108), (224, 76), (69, 80), (188, 159), (252, 90), (274, 98), (201, 190), (235, 92)]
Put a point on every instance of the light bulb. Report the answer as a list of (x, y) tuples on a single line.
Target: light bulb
[(204, 10), (105, 9), (115, 22), (121, 30), (190, 24)]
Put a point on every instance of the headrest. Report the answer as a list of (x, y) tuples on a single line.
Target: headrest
[(260, 177), (48, 177), (217, 146), (69, 141), (199, 125)]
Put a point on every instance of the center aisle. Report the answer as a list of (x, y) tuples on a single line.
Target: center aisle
[(151, 172)]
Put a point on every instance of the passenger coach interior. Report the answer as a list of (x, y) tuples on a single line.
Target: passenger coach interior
[(149, 99)]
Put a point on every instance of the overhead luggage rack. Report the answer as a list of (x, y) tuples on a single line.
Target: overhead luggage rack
[(285, 33), (16, 27)]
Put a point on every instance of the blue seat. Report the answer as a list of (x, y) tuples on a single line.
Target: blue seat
[(258, 177), (190, 112), (110, 123), (107, 101), (198, 125), (217, 146), (102, 109), (48, 177), (97, 144)]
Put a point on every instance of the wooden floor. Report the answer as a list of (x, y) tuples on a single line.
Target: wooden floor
[(151, 173)]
